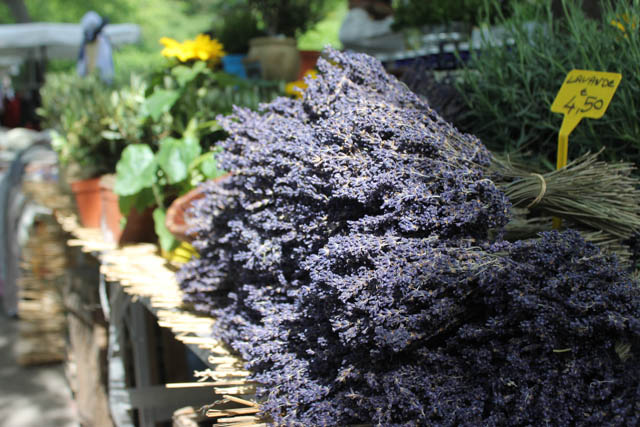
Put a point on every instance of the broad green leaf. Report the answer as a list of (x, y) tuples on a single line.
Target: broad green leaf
[(175, 156), (135, 170), (186, 74), (209, 166), (140, 201), (167, 241), (160, 102)]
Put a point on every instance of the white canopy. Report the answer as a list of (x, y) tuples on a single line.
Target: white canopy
[(54, 40)]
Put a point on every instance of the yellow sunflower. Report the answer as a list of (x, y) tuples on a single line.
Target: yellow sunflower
[(172, 48), (201, 48), (207, 49)]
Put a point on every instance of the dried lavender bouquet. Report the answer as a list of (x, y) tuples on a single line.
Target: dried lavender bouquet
[(346, 259)]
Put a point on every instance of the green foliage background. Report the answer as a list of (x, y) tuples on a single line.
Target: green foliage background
[(178, 19), (509, 91)]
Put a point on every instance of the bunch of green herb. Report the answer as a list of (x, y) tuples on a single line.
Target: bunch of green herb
[(236, 29), (93, 123), (600, 199), (509, 89), (290, 18), (600, 195)]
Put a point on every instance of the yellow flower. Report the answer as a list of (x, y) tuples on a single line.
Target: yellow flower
[(633, 24), (208, 50), (187, 51), (171, 47), (202, 48), (297, 88)]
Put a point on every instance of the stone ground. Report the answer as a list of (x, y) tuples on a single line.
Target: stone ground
[(37, 396)]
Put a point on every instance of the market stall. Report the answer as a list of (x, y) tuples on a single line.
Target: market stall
[(348, 255)]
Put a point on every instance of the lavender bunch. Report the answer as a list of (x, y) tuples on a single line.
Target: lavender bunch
[(359, 153), (346, 260), (545, 331)]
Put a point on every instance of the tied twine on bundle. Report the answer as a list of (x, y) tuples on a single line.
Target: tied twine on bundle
[(543, 190), (600, 199)]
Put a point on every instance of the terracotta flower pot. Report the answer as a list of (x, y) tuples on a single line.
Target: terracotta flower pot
[(87, 195), (308, 60), (139, 226)]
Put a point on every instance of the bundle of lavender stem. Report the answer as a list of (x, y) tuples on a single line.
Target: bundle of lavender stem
[(602, 199)]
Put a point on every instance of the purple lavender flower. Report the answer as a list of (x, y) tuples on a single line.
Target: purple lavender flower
[(346, 259)]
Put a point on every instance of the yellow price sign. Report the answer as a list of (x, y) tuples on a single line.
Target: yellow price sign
[(584, 93)]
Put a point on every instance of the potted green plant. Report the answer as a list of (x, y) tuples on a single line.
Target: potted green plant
[(283, 20), (145, 178), (136, 225), (180, 108), (90, 127)]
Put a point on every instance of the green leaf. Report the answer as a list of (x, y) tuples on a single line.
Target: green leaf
[(135, 170), (211, 125), (140, 201), (175, 156), (160, 102), (209, 166), (186, 74), (167, 241)]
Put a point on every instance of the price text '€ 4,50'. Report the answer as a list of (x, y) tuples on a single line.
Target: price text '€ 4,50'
[(586, 93)]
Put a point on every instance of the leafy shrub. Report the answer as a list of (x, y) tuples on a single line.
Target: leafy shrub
[(417, 13), (93, 122), (288, 17), (509, 91), (183, 93), (237, 27)]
